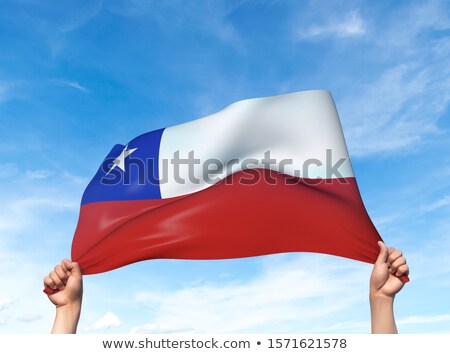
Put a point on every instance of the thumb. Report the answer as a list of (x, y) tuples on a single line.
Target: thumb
[(382, 257)]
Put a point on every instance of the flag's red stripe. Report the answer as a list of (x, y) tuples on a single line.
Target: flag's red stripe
[(229, 220)]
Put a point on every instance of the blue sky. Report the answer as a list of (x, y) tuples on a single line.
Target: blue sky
[(77, 77)]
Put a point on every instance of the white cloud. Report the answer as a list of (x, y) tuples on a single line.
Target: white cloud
[(73, 84), (392, 113), (364, 326), (401, 107), (75, 180), (36, 224), (8, 170), (25, 302), (354, 326), (107, 321), (37, 174), (418, 18), (10, 89), (424, 319), (212, 19), (5, 302), (21, 213), (31, 197), (82, 15), (31, 317), (437, 204), (285, 297), (395, 106), (350, 26)]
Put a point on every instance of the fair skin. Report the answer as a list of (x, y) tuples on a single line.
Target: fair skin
[(384, 285), (67, 280)]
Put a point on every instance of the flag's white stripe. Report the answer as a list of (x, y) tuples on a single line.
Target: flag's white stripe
[(298, 126)]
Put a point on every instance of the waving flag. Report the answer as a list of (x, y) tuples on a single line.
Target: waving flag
[(262, 176)]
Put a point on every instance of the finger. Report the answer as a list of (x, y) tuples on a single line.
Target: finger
[(57, 280), (61, 273), (390, 251), (50, 283), (382, 256), (402, 270), (72, 267), (393, 256), (63, 265), (397, 263)]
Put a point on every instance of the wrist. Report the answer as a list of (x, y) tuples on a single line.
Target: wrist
[(67, 317), (381, 298), (72, 307), (379, 302), (382, 313)]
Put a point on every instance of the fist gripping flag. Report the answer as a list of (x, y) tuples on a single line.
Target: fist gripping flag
[(262, 176)]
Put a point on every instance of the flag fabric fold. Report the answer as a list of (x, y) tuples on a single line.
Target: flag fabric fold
[(262, 176)]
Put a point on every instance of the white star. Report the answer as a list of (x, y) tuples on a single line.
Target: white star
[(120, 160)]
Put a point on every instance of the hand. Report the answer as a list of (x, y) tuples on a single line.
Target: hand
[(67, 279), (389, 265)]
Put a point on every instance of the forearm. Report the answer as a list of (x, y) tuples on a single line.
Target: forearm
[(382, 314), (66, 319)]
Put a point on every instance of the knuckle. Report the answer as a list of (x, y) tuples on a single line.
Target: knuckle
[(398, 262), (56, 280), (395, 255)]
